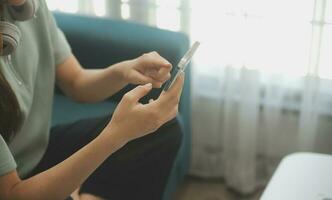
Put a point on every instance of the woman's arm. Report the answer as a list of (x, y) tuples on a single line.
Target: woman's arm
[(88, 85), (60, 181), (91, 85), (130, 120)]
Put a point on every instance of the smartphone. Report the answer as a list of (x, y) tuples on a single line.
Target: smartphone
[(181, 65)]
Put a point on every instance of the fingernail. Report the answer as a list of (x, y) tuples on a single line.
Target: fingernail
[(148, 85)]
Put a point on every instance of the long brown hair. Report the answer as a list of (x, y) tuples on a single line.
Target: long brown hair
[(11, 116), (10, 112)]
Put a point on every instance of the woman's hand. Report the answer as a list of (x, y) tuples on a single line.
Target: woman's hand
[(132, 119), (148, 68)]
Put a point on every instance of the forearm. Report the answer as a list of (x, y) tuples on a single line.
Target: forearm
[(90, 85), (60, 181), (94, 85)]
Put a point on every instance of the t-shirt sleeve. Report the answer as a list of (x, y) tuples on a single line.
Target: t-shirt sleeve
[(61, 47), (7, 162)]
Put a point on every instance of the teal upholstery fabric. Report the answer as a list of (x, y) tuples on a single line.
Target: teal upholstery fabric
[(100, 42)]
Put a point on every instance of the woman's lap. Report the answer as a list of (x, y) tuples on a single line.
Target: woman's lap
[(139, 170)]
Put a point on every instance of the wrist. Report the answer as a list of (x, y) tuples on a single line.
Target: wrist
[(115, 134), (113, 139), (122, 70)]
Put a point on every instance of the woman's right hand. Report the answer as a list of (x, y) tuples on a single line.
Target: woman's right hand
[(132, 119)]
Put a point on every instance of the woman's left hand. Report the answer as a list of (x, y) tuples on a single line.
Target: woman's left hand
[(148, 68)]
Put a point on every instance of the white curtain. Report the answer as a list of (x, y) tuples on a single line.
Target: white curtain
[(262, 88), (242, 134), (262, 78)]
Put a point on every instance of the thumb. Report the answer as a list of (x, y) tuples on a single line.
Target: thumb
[(137, 93)]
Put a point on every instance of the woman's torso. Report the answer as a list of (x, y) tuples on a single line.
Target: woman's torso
[(31, 74)]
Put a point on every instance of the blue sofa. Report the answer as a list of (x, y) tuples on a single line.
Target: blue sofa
[(100, 42)]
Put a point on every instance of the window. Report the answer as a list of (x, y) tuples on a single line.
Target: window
[(274, 36), (68, 6), (125, 9), (326, 47), (99, 7)]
